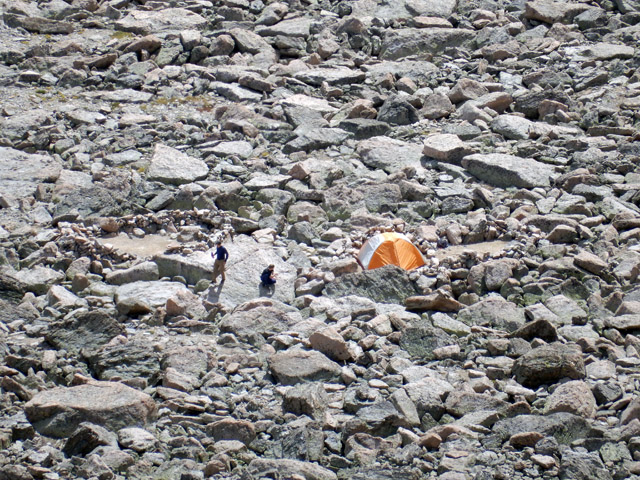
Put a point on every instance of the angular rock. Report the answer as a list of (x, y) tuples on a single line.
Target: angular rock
[(254, 321), (385, 284), (548, 364), (171, 166), (389, 154), (88, 330), (137, 439), (146, 271), (232, 429), (446, 148), (306, 399), (88, 437), (295, 366), (58, 412), (331, 343), (289, 468), (573, 397), (501, 170), (144, 297), (564, 427), (422, 339), (20, 172), (154, 21), (398, 44)]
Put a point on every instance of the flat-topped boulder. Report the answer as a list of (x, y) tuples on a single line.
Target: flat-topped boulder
[(502, 170), (296, 366), (143, 297), (20, 172), (59, 411), (548, 364), (152, 21), (169, 165)]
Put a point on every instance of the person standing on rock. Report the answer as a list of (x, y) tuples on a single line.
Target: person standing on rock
[(221, 256)]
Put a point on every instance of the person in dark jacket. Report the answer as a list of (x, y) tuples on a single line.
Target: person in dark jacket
[(268, 277), (221, 256)]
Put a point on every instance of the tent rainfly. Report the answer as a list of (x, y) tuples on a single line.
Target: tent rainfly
[(390, 248)]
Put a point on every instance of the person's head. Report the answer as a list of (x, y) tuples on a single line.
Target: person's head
[(219, 243), (271, 267)]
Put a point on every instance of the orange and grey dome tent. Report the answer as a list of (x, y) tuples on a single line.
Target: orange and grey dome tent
[(390, 248)]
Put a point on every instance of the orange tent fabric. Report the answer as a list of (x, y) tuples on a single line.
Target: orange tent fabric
[(390, 248)]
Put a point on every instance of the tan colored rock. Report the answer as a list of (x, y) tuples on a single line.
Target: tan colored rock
[(445, 147), (435, 301), (525, 439), (545, 461), (232, 429), (589, 262), (430, 440), (331, 343), (295, 366), (625, 322), (572, 397), (467, 89)]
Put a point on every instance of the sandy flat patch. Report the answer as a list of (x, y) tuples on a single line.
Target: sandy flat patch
[(146, 247), (482, 248)]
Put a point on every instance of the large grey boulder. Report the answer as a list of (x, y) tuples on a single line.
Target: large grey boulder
[(131, 359), (565, 427), (389, 154), (17, 127), (582, 466), (144, 22), (502, 170), (548, 364), (143, 297), (552, 12), (316, 139), (397, 111), (191, 267), (296, 366), (421, 339), (404, 8), (169, 165), (402, 43), (88, 329), (333, 76), (256, 320), (37, 279), (285, 467), (20, 172), (145, 271), (91, 202), (306, 399), (512, 127), (494, 312), (388, 284), (59, 411)]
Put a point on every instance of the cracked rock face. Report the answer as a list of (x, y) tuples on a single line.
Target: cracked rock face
[(502, 138)]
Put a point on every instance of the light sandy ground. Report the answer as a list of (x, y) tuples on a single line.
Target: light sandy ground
[(145, 247), (481, 248)]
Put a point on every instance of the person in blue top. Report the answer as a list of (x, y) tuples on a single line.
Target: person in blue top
[(221, 256), (268, 277)]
